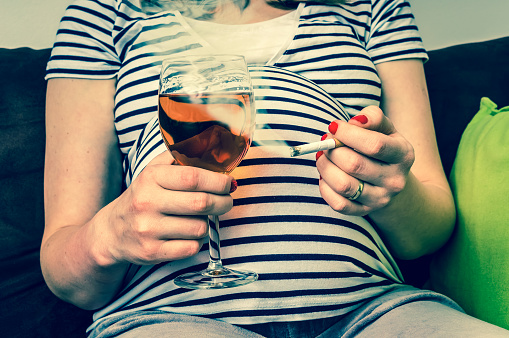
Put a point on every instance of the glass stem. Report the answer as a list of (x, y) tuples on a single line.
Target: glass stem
[(214, 245)]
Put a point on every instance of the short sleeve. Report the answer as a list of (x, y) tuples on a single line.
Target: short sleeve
[(393, 34), (84, 46)]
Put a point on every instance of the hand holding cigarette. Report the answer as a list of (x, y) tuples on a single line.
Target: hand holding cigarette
[(314, 147)]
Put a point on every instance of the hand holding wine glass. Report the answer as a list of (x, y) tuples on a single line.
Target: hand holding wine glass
[(207, 119)]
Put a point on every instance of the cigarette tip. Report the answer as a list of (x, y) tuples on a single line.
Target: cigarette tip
[(294, 151)]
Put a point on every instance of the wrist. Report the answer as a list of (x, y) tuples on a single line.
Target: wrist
[(100, 242)]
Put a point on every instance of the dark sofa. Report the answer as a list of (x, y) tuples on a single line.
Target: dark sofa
[(457, 77)]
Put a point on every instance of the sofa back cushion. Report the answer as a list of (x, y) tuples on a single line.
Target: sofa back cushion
[(28, 308), (458, 77)]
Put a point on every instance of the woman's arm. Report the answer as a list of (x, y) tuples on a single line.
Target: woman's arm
[(82, 174), (92, 234), (406, 192), (420, 219)]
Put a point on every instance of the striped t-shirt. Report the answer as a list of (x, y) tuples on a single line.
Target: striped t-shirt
[(312, 261)]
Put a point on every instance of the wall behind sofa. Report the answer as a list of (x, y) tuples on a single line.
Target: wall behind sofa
[(33, 23)]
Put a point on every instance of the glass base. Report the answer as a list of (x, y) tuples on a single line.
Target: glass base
[(215, 279)]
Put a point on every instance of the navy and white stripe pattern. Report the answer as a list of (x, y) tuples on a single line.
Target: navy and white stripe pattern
[(313, 262), (280, 96), (279, 227)]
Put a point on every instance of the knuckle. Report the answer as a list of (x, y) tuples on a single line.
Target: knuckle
[(340, 205), (190, 178), (409, 157), (201, 203), (395, 184), (201, 228), (376, 147), (140, 203), (354, 164), (148, 252), (147, 175), (382, 201), (346, 188), (141, 230)]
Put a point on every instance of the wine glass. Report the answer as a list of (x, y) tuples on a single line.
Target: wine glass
[(207, 119)]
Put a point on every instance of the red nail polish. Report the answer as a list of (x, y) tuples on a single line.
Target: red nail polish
[(324, 137), (318, 154), (360, 118), (321, 177), (234, 186), (333, 127)]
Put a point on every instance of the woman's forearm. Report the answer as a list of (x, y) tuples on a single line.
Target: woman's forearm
[(418, 221), (74, 269), (420, 218)]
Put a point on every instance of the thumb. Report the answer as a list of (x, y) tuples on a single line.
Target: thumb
[(373, 118)]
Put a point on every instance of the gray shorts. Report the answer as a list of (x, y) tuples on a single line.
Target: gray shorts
[(404, 311)]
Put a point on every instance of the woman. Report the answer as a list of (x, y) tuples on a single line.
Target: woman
[(322, 265)]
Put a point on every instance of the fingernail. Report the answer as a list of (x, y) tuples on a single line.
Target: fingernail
[(234, 186), (321, 177), (360, 118), (324, 137), (318, 154), (333, 127)]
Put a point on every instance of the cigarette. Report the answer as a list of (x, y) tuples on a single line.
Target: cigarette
[(314, 147)]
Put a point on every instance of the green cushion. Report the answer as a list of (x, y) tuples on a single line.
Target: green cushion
[(473, 268)]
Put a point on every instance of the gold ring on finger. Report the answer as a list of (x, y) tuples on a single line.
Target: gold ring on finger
[(358, 192)]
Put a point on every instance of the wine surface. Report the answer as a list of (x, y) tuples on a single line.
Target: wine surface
[(207, 130)]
